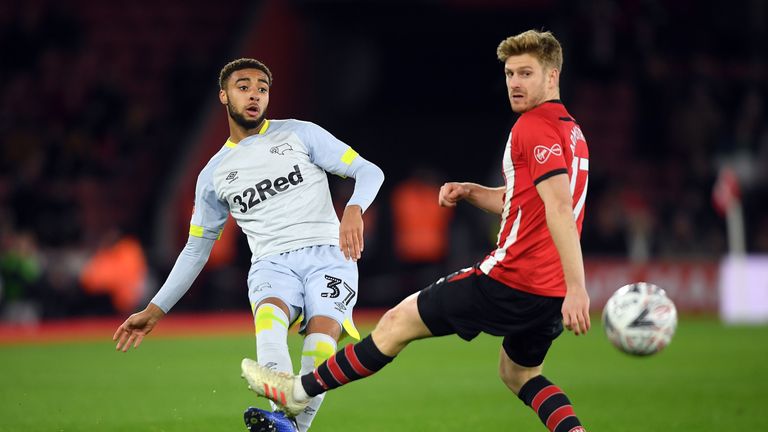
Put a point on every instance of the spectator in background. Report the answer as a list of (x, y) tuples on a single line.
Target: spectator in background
[(20, 276), (74, 107), (421, 224), (421, 235), (118, 269)]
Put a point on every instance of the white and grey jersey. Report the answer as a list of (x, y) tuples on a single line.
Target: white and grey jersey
[(275, 186)]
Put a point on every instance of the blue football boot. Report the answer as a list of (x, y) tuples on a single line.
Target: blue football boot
[(259, 420)]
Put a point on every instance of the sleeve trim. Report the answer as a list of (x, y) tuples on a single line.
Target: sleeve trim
[(197, 231), (349, 156), (552, 173)]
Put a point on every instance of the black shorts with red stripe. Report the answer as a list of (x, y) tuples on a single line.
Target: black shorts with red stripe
[(469, 302)]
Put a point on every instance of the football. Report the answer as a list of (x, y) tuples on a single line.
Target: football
[(639, 319)]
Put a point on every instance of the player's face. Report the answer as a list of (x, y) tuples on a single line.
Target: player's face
[(247, 97), (528, 83)]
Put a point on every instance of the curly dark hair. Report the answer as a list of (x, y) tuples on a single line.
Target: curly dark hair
[(240, 64)]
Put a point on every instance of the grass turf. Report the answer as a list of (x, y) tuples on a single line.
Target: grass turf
[(711, 378)]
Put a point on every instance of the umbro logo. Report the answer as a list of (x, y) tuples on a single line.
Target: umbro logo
[(281, 149), (231, 177), (542, 153)]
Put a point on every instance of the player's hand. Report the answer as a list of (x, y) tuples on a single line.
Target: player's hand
[(138, 325), (451, 193), (576, 311), (351, 232)]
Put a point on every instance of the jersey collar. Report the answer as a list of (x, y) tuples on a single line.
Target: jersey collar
[(261, 131), (264, 127)]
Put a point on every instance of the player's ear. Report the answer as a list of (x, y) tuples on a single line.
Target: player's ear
[(553, 77), (223, 97)]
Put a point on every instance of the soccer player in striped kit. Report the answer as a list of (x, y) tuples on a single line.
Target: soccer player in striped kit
[(526, 289), (270, 175)]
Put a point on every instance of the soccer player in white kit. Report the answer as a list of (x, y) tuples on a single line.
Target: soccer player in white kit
[(270, 175)]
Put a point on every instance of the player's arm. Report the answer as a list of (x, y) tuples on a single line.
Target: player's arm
[(558, 203), (368, 180), (208, 220), (483, 197), (191, 261), (334, 156)]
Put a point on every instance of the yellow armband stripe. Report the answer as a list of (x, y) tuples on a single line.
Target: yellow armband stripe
[(349, 156), (197, 231)]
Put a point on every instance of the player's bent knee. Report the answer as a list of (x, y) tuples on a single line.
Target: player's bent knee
[(515, 376), (274, 301), (270, 317), (397, 320), (399, 326), (388, 335), (389, 323)]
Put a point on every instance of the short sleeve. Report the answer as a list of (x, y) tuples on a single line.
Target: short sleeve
[(541, 147), (209, 214), (325, 150)]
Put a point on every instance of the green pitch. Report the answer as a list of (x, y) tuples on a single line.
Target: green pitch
[(712, 378)]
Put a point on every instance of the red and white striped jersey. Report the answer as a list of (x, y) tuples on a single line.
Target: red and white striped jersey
[(544, 142)]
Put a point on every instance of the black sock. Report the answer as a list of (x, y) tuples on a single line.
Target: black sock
[(349, 364), (551, 404)]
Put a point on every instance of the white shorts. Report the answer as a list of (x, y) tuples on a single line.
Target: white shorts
[(316, 280)]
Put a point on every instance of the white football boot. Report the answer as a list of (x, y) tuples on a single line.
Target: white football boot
[(273, 385)]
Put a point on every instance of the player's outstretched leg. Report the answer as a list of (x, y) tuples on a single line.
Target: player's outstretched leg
[(398, 327), (259, 420), (293, 392), (352, 363)]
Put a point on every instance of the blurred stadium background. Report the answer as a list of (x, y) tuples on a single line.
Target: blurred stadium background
[(108, 111)]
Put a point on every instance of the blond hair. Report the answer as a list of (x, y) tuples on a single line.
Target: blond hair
[(541, 45)]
